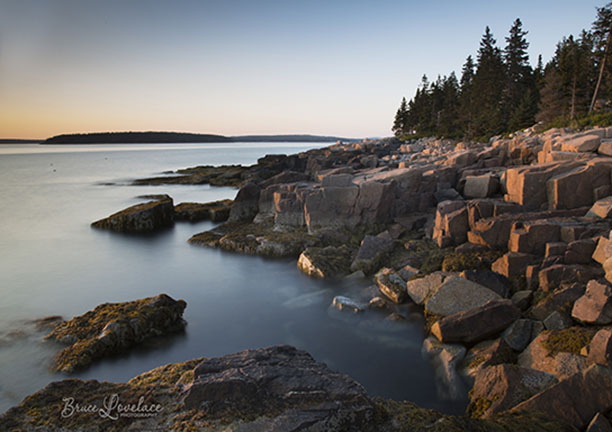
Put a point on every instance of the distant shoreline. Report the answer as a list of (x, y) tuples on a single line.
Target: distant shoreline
[(172, 137)]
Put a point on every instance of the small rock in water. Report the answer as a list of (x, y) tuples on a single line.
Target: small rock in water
[(343, 303), (377, 303)]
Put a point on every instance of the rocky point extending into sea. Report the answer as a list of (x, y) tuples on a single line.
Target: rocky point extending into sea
[(507, 247)]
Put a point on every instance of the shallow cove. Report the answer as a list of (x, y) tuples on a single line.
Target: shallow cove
[(53, 263)]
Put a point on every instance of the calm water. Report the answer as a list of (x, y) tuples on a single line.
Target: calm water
[(53, 263)]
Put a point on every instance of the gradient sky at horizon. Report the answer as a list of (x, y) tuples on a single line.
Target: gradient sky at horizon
[(244, 67)]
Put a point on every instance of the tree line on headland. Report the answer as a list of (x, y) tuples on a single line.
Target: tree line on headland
[(500, 92), (179, 137)]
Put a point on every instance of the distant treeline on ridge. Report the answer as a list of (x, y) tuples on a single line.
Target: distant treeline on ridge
[(177, 137)]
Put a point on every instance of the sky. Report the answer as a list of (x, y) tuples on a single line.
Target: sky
[(236, 67)]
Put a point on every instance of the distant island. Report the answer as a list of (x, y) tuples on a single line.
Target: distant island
[(178, 137), (19, 141)]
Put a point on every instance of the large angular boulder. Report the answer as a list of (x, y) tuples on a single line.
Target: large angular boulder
[(457, 294), (146, 217), (595, 306), (601, 209), (575, 188), (550, 278), (512, 264), (580, 144), (484, 354), (556, 353), (502, 387), (532, 237), (421, 288), (371, 252), (476, 324), (451, 224), (600, 348), (482, 186), (518, 334), (525, 185), (557, 300), (575, 399), (488, 279), (246, 203)]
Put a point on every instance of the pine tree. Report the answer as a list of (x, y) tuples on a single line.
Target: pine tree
[(400, 124), (552, 96), (466, 107), (519, 76), (448, 125), (576, 71), (488, 88)]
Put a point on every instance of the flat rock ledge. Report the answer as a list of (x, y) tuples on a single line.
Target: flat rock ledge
[(278, 388), (112, 328)]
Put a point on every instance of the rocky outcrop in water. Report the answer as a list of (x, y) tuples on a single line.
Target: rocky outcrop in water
[(113, 328), (147, 217), (277, 388)]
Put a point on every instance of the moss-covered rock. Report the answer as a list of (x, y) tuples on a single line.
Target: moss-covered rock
[(216, 211), (112, 328), (325, 263), (570, 340)]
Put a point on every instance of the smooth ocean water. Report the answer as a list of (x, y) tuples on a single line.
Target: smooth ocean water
[(53, 263)]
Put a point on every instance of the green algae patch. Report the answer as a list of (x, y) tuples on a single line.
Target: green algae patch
[(459, 261), (170, 374), (408, 417), (256, 239), (112, 328), (570, 340), (327, 262)]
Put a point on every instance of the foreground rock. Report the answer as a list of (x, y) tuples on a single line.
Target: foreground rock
[(112, 328), (147, 217), (277, 388)]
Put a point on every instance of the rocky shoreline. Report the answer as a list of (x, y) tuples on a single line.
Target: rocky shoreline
[(506, 246), (276, 388)]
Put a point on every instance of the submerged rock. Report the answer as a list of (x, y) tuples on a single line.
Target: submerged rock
[(112, 328), (150, 216), (342, 303)]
